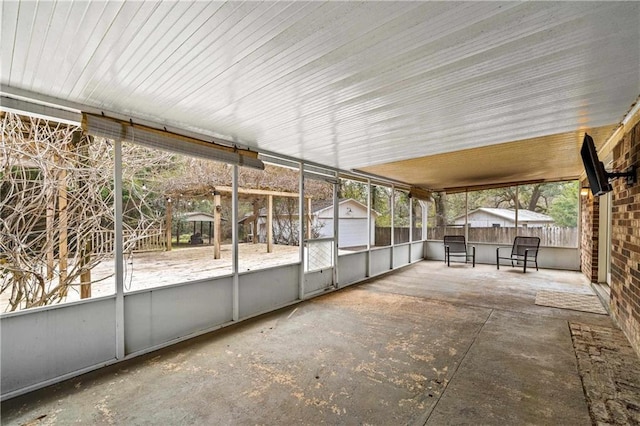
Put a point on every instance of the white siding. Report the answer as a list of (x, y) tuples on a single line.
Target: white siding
[(352, 233)]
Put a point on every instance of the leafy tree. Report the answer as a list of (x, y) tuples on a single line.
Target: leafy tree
[(381, 203), (353, 189), (401, 209), (564, 209)]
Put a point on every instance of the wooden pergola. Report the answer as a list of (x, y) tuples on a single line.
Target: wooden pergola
[(217, 200)]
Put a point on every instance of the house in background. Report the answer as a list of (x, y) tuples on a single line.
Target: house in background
[(352, 225), (485, 217)]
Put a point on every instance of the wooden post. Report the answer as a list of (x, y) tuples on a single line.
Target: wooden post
[(51, 212), (178, 232), (63, 214), (256, 216), (308, 214), (84, 242), (168, 221), (270, 224), (217, 232), (85, 277)]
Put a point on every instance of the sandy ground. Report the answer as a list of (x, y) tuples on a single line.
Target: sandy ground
[(154, 269)]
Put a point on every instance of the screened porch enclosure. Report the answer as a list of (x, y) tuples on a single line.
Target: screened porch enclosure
[(171, 258), (172, 168)]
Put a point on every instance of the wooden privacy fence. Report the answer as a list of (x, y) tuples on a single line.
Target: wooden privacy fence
[(151, 240), (553, 236), (401, 235)]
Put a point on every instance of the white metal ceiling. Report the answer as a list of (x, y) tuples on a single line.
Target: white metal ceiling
[(346, 84)]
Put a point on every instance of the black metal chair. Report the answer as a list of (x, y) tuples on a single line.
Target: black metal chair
[(456, 246), (524, 249)]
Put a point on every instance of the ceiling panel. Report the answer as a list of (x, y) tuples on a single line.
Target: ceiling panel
[(547, 158), (352, 85)]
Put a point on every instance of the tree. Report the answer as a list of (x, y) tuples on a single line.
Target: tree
[(401, 209), (564, 209), (381, 203), (53, 201), (56, 206), (354, 190)]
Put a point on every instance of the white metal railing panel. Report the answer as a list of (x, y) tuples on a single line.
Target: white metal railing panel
[(352, 268), (269, 289), (417, 251), (559, 258), (401, 255), (163, 314), (567, 258), (380, 260), (46, 344), (317, 281)]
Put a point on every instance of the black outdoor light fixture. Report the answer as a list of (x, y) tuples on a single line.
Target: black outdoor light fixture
[(599, 178)]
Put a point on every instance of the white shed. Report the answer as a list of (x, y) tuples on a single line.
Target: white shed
[(352, 219), (352, 231)]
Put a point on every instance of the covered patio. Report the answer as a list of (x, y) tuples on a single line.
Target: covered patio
[(422, 111), (425, 345)]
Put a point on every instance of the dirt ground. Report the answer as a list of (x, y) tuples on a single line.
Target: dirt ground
[(159, 268)]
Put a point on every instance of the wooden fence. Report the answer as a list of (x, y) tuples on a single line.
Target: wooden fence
[(152, 240), (554, 236), (401, 235)]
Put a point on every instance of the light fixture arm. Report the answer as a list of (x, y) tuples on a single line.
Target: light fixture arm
[(629, 174)]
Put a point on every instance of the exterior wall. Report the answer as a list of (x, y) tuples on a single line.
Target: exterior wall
[(346, 210), (352, 229), (351, 232), (589, 218), (625, 250), (485, 220), (625, 239)]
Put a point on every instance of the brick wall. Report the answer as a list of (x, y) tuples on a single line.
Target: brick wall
[(625, 248), (590, 214)]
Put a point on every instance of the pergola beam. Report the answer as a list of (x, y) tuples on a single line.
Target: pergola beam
[(217, 218), (245, 191), (217, 231), (270, 224)]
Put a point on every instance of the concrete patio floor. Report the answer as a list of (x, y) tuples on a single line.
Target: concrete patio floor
[(429, 344)]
